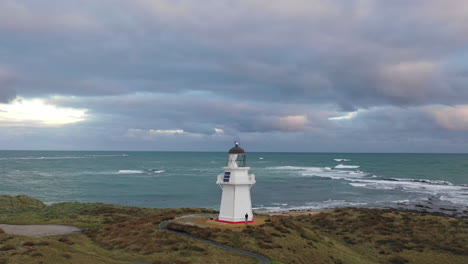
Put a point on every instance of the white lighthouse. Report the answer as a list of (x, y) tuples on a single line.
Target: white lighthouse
[(236, 182)]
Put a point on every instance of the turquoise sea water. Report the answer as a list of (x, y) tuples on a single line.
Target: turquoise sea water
[(187, 179)]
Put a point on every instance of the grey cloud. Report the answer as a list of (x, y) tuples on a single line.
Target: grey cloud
[(251, 68), (257, 52), (7, 80), (198, 114)]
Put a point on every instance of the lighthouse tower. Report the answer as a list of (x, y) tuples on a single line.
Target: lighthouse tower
[(236, 183)]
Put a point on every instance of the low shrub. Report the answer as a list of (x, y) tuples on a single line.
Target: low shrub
[(66, 240), (36, 254), (397, 259), (7, 247)]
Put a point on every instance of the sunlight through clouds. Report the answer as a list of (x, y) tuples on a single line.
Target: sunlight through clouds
[(349, 115), (36, 112)]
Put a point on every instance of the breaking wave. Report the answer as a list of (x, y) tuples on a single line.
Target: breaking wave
[(108, 155), (328, 204), (41, 158), (62, 157), (140, 171), (447, 191), (341, 166), (339, 160), (325, 172)]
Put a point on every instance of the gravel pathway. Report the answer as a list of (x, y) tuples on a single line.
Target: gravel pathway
[(261, 259), (39, 230)]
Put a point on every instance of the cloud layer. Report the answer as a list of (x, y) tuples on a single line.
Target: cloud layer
[(161, 74)]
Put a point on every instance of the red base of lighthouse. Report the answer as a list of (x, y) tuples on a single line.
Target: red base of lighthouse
[(229, 222)]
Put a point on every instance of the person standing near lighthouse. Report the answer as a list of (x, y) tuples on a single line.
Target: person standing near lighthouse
[(236, 204)]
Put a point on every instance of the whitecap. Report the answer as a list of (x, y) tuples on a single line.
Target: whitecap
[(41, 158), (401, 201), (339, 160), (325, 172), (107, 155), (131, 171), (327, 204), (446, 190), (341, 166), (290, 168), (151, 171)]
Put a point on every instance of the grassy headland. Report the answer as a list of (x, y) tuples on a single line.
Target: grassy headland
[(114, 233), (349, 236)]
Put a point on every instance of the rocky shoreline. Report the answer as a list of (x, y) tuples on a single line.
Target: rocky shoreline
[(433, 206)]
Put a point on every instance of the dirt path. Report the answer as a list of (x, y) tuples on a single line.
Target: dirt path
[(261, 259), (39, 230)]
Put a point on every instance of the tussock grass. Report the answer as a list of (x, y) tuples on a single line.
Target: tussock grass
[(130, 233), (7, 247), (113, 233), (350, 236), (19, 203)]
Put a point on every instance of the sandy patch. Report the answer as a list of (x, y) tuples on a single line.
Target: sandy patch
[(39, 230)]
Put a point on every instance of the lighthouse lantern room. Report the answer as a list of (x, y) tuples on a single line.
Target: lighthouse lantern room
[(236, 205)]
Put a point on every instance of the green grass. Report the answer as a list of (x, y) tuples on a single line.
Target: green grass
[(114, 233), (350, 236), (20, 203), (355, 236)]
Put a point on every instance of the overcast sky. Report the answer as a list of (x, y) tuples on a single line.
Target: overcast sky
[(296, 75)]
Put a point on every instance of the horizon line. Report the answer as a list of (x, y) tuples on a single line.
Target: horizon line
[(218, 151)]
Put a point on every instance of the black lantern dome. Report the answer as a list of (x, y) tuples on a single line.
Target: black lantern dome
[(236, 150), (237, 156)]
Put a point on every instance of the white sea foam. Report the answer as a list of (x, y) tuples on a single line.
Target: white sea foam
[(455, 200), (62, 157), (291, 168), (131, 171), (339, 160), (108, 155), (446, 190), (401, 201), (140, 171), (341, 166), (281, 204), (328, 204), (325, 172), (40, 158)]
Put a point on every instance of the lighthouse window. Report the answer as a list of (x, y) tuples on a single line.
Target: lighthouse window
[(227, 175)]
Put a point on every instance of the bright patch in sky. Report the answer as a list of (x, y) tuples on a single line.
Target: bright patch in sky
[(219, 130), (347, 116), (36, 112), (169, 131)]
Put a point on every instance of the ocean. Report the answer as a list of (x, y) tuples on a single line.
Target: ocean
[(285, 181)]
